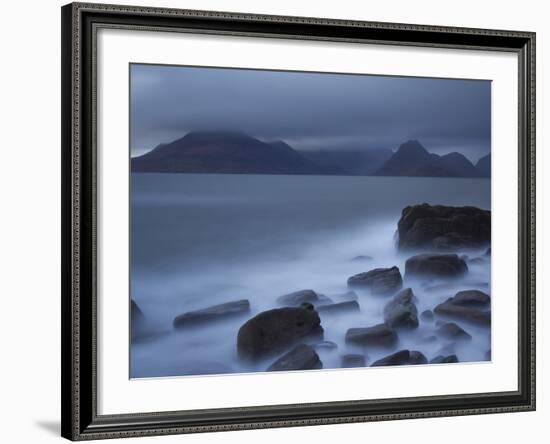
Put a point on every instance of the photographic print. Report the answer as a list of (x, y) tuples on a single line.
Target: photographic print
[(297, 221)]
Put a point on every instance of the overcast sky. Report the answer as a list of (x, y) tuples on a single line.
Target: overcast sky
[(310, 110)]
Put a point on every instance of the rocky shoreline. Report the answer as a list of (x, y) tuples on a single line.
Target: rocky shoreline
[(438, 241)]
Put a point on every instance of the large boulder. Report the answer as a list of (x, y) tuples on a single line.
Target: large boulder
[(213, 313), (470, 305), (297, 298), (402, 357), (379, 336), (301, 357), (340, 307), (401, 311), (381, 281), (275, 330), (441, 227), (438, 266)]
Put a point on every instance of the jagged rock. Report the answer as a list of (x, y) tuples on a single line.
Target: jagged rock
[(340, 307), (402, 357), (442, 227), (297, 298), (450, 330), (301, 357), (353, 360), (214, 313), (440, 359), (401, 311), (382, 281), (275, 330), (440, 266), (379, 335)]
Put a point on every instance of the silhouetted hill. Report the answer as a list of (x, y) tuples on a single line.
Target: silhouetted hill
[(350, 162), (483, 166), (224, 152), (412, 159)]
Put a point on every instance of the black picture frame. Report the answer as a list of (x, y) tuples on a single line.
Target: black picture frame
[(79, 385)]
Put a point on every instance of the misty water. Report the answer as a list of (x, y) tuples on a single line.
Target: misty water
[(204, 239)]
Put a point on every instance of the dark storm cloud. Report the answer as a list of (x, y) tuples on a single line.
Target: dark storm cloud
[(310, 111)]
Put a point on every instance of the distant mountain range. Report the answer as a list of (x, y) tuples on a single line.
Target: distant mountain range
[(237, 153)]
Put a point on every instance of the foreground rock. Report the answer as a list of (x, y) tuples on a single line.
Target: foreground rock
[(440, 359), (382, 281), (438, 266), (353, 361), (297, 298), (301, 357), (340, 307), (471, 306), (442, 228), (138, 323), (214, 313), (379, 335), (450, 330), (401, 311), (402, 357), (274, 330)]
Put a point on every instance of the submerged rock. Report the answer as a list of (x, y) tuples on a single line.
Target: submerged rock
[(379, 335), (450, 330), (441, 227), (470, 305), (325, 345), (401, 311), (427, 315), (362, 258), (382, 281), (439, 266), (274, 330), (440, 359), (213, 313), (353, 361), (340, 307), (402, 357), (297, 298), (301, 357), (141, 328)]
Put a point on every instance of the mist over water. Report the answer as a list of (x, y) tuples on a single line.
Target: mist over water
[(204, 239)]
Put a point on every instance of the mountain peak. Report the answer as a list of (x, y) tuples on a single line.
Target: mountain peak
[(412, 147)]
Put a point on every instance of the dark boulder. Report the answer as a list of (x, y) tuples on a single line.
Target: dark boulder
[(340, 307), (441, 227), (301, 357), (450, 330), (382, 281), (402, 357), (214, 313), (427, 315), (138, 323), (274, 330), (297, 298), (438, 266), (470, 305), (440, 359), (471, 298), (401, 311), (379, 335), (353, 361)]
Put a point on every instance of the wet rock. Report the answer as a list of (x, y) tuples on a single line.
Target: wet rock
[(325, 345), (401, 311), (353, 361), (441, 227), (402, 357), (468, 306), (214, 313), (274, 330), (450, 330), (379, 335), (440, 359), (362, 258), (301, 357), (471, 298), (439, 266), (340, 307), (382, 281), (297, 298), (427, 315)]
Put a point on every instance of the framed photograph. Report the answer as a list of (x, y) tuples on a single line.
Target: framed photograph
[(282, 221)]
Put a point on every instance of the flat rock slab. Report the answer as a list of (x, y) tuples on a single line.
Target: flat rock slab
[(381, 281), (438, 266), (471, 298), (300, 297), (467, 309), (401, 311), (340, 307), (379, 336), (402, 357), (213, 313), (441, 227), (275, 330), (301, 357)]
